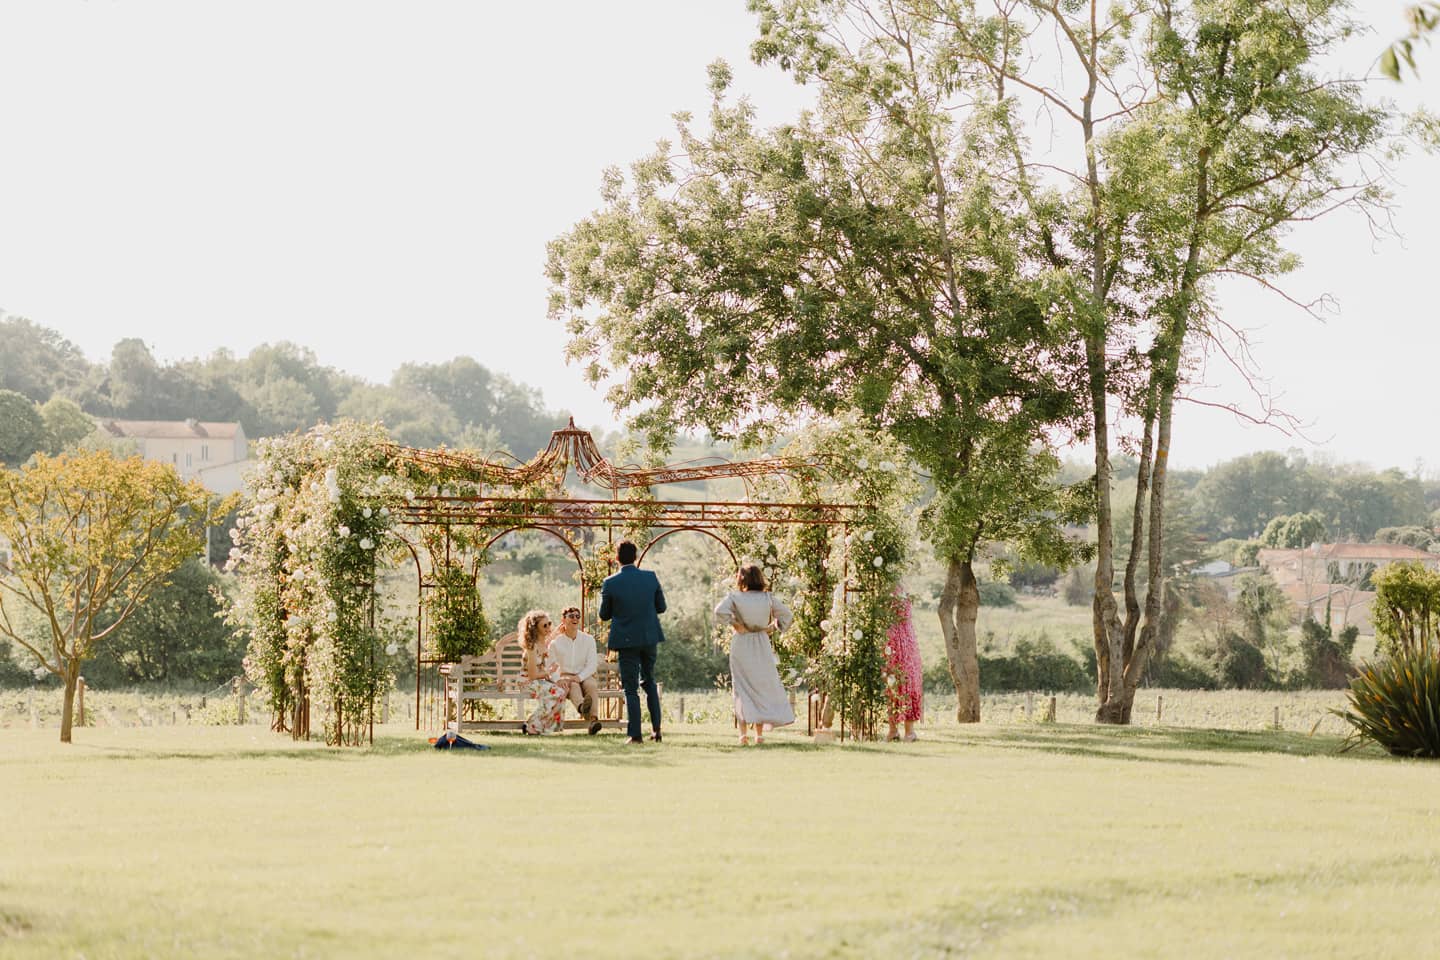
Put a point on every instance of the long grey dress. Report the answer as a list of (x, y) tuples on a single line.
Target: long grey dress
[(759, 695)]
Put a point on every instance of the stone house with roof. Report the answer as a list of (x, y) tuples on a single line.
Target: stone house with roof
[(215, 453), (1329, 574)]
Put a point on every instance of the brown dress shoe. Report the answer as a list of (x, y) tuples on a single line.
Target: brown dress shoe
[(594, 727)]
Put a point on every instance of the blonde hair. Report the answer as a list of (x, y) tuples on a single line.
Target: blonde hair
[(529, 628)]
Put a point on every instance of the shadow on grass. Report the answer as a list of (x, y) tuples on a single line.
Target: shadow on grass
[(1178, 745), (980, 921), (1118, 742)]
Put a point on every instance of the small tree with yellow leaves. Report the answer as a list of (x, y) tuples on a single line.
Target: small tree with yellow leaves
[(92, 537)]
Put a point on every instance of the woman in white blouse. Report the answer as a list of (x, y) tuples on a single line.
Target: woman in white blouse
[(754, 613)]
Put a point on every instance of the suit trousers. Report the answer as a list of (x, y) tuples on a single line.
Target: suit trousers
[(637, 669)]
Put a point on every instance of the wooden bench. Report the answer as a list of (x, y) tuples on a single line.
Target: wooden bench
[(500, 675)]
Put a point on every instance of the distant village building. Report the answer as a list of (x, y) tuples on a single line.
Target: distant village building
[(1331, 575), (217, 454)]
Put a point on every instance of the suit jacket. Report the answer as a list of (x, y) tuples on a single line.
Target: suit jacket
[(632, 601)]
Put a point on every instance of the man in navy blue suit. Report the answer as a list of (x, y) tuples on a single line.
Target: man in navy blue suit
[(632, 601)]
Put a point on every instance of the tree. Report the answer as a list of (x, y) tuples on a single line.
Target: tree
[(92, 538), (1327, 663), (174, 636), (22, 429), (1406, 613), (410, 417), (1363, 502), (65, 423), (1201, 131), (1411, 536), (1424, 20), (861, 259), (1237, 498), (40, 363), (1294, 532)]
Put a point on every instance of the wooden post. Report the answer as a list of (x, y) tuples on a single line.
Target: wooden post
[(80, 702), (1050, 710), (1277, 718), (238, 685), (1029, 705), (1159, 708), (681, 717)]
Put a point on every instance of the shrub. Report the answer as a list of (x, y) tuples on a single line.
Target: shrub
[(1079, 588), (1396, 703), (1326, 658), (1033, 576), (458, 626), (997, 594), (1035, 665), (1241, 664), (1180, 673)]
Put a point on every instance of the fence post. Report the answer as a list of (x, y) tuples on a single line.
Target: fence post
[(1050, 710), (1277, 718), (681, 717), (1159, 708), (1029, 705), (238, 685)]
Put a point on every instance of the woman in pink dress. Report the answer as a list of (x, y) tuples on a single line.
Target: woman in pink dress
[(904, 679)]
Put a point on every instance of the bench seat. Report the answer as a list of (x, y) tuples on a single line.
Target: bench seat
[(500, 675)]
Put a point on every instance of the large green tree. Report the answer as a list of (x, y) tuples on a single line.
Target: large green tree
[(22, 429), (862, 258), (1195, 134), (38, 362)]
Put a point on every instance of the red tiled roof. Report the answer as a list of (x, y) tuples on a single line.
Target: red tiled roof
[(1374, 551)]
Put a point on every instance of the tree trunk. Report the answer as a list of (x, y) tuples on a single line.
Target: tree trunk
[(71, 673), (1109, 635), (959, 609)]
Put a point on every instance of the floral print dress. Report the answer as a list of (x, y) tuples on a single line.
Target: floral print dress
[(904, 680), (549, 715)]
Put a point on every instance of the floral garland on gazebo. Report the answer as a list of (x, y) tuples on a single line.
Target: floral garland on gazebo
[(305, 554)]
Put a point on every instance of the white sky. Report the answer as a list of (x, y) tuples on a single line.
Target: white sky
[(378, 181)]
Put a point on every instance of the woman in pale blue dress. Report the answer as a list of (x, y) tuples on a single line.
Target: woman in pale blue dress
[(754, 613)]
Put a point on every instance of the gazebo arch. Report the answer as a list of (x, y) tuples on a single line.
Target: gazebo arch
[(709, 533)]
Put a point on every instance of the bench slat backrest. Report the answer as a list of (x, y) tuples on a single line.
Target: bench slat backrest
[(503, 668), (500, 669)]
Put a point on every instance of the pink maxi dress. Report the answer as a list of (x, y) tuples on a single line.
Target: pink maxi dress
[(902, 663)]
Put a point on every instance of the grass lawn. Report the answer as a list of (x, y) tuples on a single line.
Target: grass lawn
[(1017, 840)]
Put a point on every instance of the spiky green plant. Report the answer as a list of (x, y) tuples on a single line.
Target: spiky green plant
[(1396, 703)]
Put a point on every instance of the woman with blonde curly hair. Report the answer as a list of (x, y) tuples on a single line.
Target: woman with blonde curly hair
[(541, 674)]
